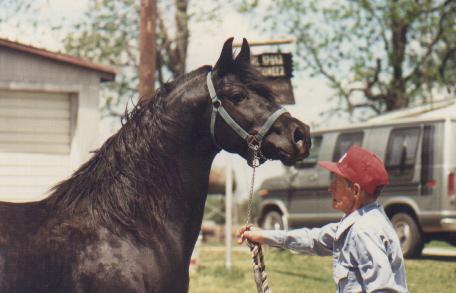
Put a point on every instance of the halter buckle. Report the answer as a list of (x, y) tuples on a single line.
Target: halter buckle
[(253, 143), (216, 103)]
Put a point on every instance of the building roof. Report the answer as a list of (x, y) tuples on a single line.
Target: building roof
[(107, 73)]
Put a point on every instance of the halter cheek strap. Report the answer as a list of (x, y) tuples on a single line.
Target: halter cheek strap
[(217, 108)]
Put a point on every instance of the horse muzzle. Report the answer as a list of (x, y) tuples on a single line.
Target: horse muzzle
[(288, 140)]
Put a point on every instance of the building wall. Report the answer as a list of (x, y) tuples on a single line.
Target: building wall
[(22, 71)]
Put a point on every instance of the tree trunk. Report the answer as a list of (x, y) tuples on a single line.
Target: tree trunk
[(147, 49), (396, 97), (182, 36)]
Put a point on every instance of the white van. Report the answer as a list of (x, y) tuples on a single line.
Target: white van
[(420, 157)]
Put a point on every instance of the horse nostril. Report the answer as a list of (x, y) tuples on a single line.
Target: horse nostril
[(302, 140), (298, 135)]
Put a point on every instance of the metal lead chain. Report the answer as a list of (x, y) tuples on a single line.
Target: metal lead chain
[(259, 268), (255, 164)]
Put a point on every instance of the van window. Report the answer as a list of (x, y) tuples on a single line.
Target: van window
[(346, 140), (427, 159), (312, 159), (401, 153)]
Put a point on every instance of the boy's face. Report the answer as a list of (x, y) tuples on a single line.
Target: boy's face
[(343, 196)]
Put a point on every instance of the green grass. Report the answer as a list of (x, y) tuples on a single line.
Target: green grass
[(311, 274), (440, 244)]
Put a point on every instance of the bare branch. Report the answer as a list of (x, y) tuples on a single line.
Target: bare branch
[(366, 105), (160, 69)]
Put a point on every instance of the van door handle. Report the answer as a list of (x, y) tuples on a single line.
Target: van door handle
[(313, 177)]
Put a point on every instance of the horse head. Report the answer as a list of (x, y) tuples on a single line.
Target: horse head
[(239, 91)]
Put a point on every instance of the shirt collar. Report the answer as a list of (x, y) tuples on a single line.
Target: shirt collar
[(348, 220)]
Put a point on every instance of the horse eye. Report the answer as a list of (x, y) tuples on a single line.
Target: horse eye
[(237, 98)]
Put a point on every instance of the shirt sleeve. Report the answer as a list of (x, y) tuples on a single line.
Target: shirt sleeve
[(371, 257), (314, 241)]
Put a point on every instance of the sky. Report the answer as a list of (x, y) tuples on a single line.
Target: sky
[(205, 45)]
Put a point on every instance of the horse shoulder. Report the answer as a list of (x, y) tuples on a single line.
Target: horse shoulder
[(111, 264)]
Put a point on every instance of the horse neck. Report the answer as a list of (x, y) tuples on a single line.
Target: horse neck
[(194, 156), (174, 161), (150, 179), (187, 153)]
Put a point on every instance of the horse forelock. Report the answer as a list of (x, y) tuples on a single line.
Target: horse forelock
[(251, 78)]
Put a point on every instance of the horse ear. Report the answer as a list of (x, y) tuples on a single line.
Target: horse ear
[(244, 56), (225, 61)]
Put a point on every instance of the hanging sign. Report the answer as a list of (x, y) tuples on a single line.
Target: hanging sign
[(278, 69)]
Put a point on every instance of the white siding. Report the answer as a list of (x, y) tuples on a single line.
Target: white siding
[(35, 139)]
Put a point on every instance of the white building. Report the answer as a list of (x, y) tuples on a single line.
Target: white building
[(49, 117)]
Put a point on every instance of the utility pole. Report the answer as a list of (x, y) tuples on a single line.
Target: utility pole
[(147, 49), (228, 212)]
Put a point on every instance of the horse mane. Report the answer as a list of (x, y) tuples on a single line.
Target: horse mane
[(125, 183), (124, 186)]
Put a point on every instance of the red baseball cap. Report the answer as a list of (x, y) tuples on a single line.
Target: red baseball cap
[(360, 166)]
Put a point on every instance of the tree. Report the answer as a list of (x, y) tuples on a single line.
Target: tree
[(376, 55), (109, 34), (29, 21), (147, 54)]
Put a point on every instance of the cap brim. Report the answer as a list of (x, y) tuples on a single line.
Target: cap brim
[(332, 167)]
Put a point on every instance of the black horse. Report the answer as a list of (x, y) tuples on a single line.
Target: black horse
[(128, 219)]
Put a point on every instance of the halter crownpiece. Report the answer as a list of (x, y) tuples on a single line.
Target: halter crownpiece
[(217, 107)]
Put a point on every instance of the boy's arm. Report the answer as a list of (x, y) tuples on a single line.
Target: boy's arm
[(316, 241)]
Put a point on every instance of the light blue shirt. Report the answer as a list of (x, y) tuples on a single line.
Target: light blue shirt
[(366, 251)]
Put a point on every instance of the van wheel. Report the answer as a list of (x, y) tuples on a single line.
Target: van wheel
[(272, 221), (409, 235), (452, 238)]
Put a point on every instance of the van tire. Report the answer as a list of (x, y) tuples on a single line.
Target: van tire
[(409, 235), (451, 239), (272, 221)]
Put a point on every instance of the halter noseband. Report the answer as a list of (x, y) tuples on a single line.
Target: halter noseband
[(217, 107)]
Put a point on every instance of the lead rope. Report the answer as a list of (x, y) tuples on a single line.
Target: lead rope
[(259, 268)]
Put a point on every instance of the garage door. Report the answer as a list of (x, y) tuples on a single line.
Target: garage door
[(34, 143)]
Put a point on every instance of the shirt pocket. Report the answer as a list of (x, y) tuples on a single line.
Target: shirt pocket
[(340, 276)]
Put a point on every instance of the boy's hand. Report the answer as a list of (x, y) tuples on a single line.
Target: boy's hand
[(251, 233)]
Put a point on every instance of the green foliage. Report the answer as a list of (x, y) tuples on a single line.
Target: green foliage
[(109, 34), (27, 18), (380, 55), (13, 7)]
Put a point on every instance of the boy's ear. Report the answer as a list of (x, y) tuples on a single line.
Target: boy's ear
[(356, 189)]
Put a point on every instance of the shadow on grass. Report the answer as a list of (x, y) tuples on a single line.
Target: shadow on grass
[(443, 258), (300, 275)]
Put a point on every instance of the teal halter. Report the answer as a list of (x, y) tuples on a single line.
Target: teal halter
[(217, 107)]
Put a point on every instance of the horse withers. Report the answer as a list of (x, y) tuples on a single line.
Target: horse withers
[(128, 219)]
